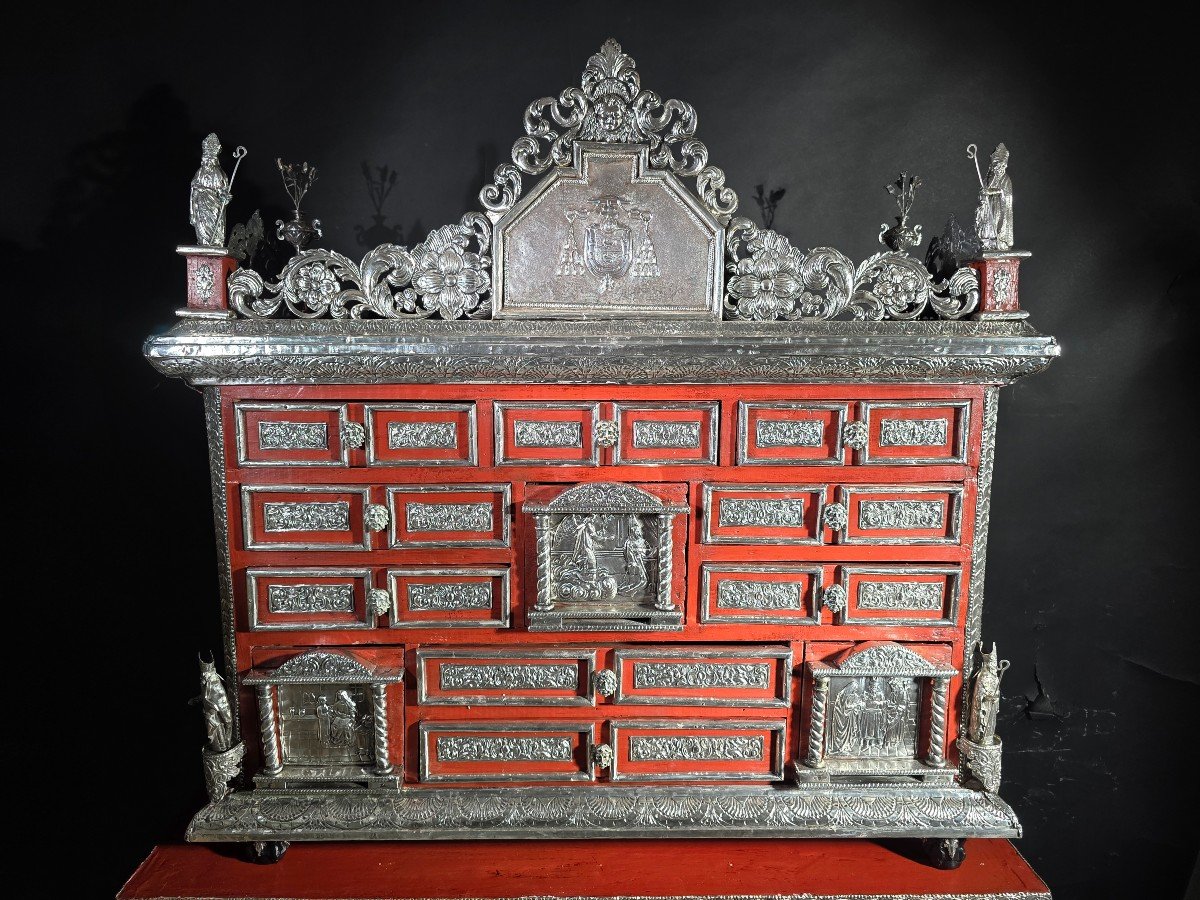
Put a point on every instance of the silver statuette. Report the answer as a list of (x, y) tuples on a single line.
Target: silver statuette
[(980, 747), (222, 757), (211, 193), (994, 215)]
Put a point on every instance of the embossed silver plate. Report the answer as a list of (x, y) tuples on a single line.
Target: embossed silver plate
[(631, 242)]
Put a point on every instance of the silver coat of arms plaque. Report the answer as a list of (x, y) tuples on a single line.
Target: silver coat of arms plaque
[(629, 241)]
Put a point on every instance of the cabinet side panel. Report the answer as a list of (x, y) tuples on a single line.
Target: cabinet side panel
[(216, 467)]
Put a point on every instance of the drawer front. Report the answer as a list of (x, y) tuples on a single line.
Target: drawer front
[(421, 434), (783, 434), (506, 751), (449, 515), (290, 434), (704, 676), (505, 677), (655, 434), (701, 750), (887, 514), (766, 594), (763, 514), (449, 597), (551, 434), (915, 433), (900, 595), (308, 599), (315, 517)]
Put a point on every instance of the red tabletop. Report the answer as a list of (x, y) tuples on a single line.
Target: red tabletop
[(578, 869)]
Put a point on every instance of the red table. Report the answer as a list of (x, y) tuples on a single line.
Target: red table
[(585, 869)]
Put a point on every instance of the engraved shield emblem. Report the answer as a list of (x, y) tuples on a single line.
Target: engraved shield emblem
[(608, 249)]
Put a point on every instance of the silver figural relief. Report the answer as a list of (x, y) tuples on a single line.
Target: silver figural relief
[(873, 717)]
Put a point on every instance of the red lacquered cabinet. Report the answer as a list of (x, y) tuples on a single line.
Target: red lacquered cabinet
[(699, 569)]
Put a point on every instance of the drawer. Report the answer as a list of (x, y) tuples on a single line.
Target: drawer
[(291, 434), (449, 515), (915, 433), (888, 514), (656, 434), (505, 677), (796, 434), (900, 595), (763, 514), (701, 750), (551, 434), (473, 597), (763, 594), (308, 599), (421, 434), (704, 676), (506, 751), (317, 517)]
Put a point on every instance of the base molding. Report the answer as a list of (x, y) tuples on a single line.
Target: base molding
[(884, 811)]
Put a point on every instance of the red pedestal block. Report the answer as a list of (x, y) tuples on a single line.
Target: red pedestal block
[(998, 284), (586, 869), (208, 269)]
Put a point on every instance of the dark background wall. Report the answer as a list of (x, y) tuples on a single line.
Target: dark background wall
[(1092, 570)]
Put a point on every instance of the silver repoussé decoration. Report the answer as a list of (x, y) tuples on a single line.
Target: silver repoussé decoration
[(441, 276), (770, 279), (222, 757), (610, 107), (301, 229)]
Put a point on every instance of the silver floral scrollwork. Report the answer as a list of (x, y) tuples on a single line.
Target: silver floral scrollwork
[(442, 276), (354, 435), (835, 516), (834, 598), (376, 517), (609, 106), (770, 279)]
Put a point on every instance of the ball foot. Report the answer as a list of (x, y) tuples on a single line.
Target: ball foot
[(944, 853), (264, 853)]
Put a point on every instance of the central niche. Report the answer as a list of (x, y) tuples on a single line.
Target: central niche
[(605, 559)]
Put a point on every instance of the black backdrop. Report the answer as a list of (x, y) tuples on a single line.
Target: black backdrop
[(1092, 571)]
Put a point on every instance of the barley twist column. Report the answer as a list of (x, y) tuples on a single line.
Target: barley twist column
[(937, 723), (383, 765), (663, 601), (815, 759), (542, 525), (270, 733)]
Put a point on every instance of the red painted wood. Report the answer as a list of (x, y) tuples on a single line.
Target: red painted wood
[(510, 869), (379, 475)]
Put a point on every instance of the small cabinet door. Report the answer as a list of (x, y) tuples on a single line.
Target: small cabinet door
[(498, 677), (915, 432), (506, 751), (703, 676), (449, 515), (698, 750), (658, 434), (421, 434), (782, 434), (308, 598), (291, 434), (549, 434), (311, 517), (900, 595), (891, 514), (763, 513)]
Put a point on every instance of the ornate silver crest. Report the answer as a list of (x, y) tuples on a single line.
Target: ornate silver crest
[(611, 227)]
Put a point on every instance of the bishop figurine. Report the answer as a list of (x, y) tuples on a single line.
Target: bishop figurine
[(210, 196)]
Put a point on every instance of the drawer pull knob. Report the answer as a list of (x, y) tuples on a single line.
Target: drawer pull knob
[(834, 598), (606, 433), (835, 516), (854, 435), (602, 756), (354, 435), (376, 517), (604, 682), (380, 601)]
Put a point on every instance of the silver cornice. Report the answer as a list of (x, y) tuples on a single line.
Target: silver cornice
[(347, 352), (216, 467), (609, 812)]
